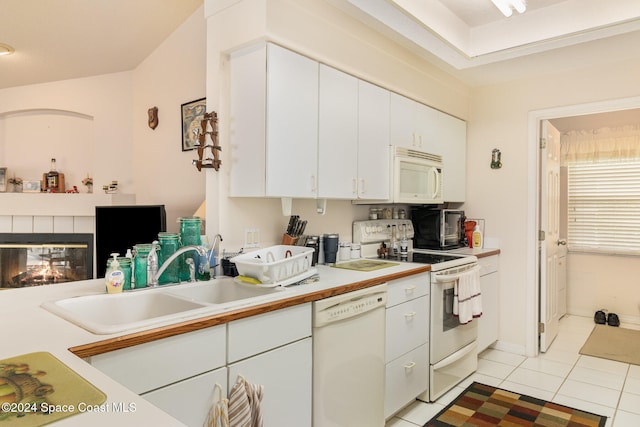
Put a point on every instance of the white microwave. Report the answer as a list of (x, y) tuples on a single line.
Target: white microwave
[(416, 176)]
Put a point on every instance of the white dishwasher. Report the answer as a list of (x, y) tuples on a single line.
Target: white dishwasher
[(348, 359)]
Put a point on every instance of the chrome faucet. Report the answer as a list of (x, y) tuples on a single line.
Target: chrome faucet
[(153, 272), (217, 238)]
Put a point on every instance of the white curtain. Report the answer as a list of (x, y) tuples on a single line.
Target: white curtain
[(601, 144)]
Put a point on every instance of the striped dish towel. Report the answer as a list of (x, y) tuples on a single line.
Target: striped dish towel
[(244, 404)]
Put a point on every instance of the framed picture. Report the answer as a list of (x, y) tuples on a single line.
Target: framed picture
[(3, 180), (192, 114), (31, 186)]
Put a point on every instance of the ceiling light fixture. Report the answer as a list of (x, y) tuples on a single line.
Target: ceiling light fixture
[(5, 49), (507, 6)]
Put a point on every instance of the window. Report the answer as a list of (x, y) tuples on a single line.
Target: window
[(604, 206)]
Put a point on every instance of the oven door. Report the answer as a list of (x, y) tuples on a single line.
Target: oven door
[(447, 334)]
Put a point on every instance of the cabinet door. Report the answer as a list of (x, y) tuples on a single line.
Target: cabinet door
[(292, 124), (427, 123), (489, 287), (338, 135), (402, 115), (373, 142), (453, 148), (247, 122), (189, 401), (285, 373)]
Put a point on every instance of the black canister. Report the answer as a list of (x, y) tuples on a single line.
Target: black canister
[(331, 248)]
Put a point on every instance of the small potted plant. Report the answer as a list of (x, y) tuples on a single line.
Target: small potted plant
[(88, 182), (16, 183)]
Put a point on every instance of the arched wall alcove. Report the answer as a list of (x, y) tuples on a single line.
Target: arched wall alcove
[(30, 138)]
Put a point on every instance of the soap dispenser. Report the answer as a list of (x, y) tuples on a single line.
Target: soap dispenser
[(114, 277), (476, 237)]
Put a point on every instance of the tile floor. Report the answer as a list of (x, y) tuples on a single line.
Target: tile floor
[(560, 375)]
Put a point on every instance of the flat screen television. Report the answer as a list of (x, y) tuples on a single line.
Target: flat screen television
[(119, 228)]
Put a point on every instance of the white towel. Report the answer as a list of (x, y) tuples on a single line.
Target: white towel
[(467, 300), (244, 404), (219, 412)]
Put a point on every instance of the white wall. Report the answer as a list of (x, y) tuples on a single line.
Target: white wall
[(175, 73), (320, 31), (595, 282), (499, 118), (91, 112)]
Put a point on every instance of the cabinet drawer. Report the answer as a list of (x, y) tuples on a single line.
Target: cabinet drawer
[(488, 265), (256, 334), (406, 289), (407, 327), (406, 378), (189, 401), (155, 364)]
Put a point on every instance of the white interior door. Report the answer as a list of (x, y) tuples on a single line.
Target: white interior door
[(549, 219)]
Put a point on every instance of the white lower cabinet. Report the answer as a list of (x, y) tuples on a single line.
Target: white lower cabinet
[(180, 374), (489, 288), (274, 349), (285, 374), (407, 342), (189, 401)]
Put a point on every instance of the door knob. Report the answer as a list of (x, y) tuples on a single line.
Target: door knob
[(562, 242)]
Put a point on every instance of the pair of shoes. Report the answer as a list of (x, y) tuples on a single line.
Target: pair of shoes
[(613, 320), (600, 317)]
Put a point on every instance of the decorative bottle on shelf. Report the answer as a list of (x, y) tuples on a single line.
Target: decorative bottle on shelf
[(53, 178)]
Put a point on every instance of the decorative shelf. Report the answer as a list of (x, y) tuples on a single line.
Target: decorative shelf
[(59, 204)]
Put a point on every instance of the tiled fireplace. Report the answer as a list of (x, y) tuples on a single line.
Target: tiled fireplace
[(49, 238)]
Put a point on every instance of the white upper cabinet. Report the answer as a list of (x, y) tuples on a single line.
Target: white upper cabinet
[(300, 129), (292, 124), (338, 135), (453, 148), (274, 123), (403, 122), (373, 142), (353, 151), (419, 127)]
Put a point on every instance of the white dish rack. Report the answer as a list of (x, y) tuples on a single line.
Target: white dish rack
[(276, 265)]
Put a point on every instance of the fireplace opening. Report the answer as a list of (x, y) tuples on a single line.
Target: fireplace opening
[(33, 259)]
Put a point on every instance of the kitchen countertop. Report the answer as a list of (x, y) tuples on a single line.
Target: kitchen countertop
[(33, 329)]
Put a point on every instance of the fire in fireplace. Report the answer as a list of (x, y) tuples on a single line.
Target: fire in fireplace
[(32, 259)]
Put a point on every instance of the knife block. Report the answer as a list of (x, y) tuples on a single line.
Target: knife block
[(288, 240)]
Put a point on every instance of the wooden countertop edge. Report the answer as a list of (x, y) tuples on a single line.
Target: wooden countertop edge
[(488, 253), (129, 340)]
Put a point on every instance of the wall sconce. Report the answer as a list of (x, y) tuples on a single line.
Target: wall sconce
[(507, 6)]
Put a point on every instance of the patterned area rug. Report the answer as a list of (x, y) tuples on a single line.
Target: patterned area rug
[(485, 406)]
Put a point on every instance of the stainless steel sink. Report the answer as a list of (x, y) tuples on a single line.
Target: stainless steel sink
[(222, 292), (106, 314)]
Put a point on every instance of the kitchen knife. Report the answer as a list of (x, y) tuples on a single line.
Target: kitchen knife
[(303, 225), (290, 227)]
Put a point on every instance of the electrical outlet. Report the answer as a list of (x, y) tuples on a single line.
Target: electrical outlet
[(251, 237)]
